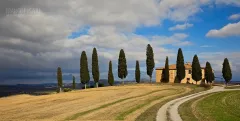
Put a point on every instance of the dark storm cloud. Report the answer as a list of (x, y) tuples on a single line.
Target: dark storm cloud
[(33, 45)]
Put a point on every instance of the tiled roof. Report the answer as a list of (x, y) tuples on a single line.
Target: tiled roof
[(173, 67)]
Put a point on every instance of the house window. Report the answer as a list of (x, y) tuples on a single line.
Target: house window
[(189, 71), (188, 80)]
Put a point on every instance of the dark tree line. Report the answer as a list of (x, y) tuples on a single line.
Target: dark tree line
[(226, 71), (122, 66), (74, 83), (150, 64), (59, 78), (209, 75), (95, 67), (165, 72), (196, 69), (84, 72), (180, 66), (137, 72), (110, 74)]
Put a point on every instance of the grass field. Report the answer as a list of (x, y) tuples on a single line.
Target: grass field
[(233, 87), (151, 113), (108, 103), (221, 106)]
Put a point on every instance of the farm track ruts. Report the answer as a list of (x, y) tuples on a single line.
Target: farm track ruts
[(59, 106), (84, 103), (75, 116)]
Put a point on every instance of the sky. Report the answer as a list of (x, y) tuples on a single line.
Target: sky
[(37, 36)]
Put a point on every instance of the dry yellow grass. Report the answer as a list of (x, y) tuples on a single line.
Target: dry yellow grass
[(107, 103)]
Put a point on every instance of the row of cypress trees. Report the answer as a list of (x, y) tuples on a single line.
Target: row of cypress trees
[(122, 68), (150, 64), (196, 70)]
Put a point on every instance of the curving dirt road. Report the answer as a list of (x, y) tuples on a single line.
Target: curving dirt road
[(169, 111)]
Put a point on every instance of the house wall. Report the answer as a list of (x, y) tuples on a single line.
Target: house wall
[(172, 76), (158, 75)]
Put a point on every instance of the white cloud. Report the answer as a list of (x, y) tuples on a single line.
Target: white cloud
[(228, 2), (185, 43), (228, 30), (180, 27), (177, 39), (205, 1), (206, 46), (41, 40), (216, 60), (234, 17), (180, 35)]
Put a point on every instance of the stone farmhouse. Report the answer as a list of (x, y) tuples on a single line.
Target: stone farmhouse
[(173, 73)]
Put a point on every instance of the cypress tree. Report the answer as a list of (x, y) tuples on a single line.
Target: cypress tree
[(150, 61), (209, 75), (110, 74), (226, 71), (180, 66), (84, 73), (166, 71), (59, 78), (73, 83), (122, 65), (196, 69), (95, 67), (137, 72)]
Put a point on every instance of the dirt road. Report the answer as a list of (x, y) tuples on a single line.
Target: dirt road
[(169, 111)]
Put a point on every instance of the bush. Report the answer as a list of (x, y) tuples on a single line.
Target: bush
[(205, 85), (67, 89), (57, 90), (91, 86), (101, 85)]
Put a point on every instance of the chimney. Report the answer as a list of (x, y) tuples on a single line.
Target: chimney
[(188, 63)]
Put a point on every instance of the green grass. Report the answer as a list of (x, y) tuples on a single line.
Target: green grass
[(75, 116), (221, 106), (233, 87), (185, 110), (151, 113)]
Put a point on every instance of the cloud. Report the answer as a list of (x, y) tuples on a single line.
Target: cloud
[(231, 29), (40, 41), (185, 43), (206, 46), (234, 17), (180, 27), (216, 59), (177, 39), (228, 2)]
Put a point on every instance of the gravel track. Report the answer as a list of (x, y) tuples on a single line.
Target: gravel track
[(169, 111)]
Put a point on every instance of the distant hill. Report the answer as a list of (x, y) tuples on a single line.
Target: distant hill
[(45, 88)]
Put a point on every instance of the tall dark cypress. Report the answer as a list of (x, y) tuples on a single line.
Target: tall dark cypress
[(74, 83), (59, 78), (226, 71), (84, 72), (110, 75), (196, 69), (150, 61), (95, 67), (180, 66), (209, 75), (122, 65), (166, 71), (137, 72)]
